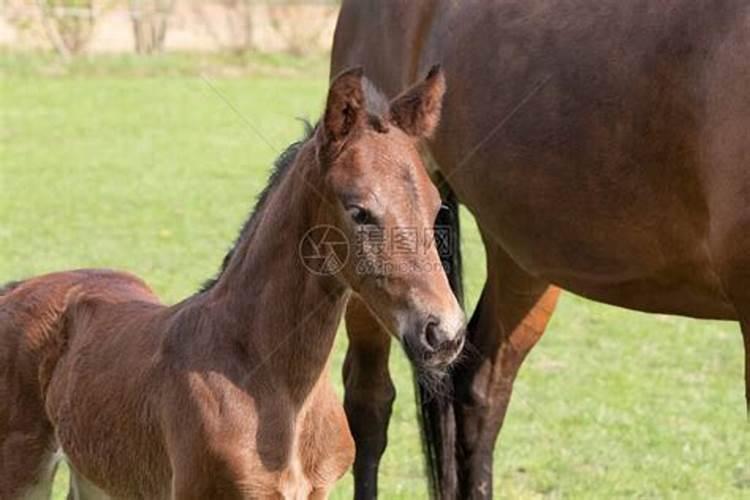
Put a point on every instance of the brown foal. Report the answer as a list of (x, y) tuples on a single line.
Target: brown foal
[(227, 394)]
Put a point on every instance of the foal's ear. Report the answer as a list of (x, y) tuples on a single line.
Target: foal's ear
[(417, 111), (345, 108)]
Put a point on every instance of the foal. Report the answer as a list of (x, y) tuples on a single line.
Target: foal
[(227, 394)]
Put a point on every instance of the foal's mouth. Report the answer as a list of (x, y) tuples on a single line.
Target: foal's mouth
[(435, 362), (433, 369)]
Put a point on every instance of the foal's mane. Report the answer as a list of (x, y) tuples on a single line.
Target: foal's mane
[(281, 166), (377, 110)]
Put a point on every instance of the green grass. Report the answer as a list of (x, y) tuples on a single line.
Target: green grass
[(174, 64), (141, 165)]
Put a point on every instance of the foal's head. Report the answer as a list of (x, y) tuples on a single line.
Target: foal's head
[(381, 199)]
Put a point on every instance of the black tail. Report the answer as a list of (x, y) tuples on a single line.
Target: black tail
[(435, 408)]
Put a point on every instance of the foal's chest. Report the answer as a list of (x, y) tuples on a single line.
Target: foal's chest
[(316, 452), (261, 445)]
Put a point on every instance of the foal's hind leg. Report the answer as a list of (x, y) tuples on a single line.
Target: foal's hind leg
[(369, 394), (27, 444), (27, 460), (510, 318)]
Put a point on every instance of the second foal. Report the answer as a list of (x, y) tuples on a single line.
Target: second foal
[(227, 394)]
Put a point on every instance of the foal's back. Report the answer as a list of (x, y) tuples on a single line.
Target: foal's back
[(41, 321)]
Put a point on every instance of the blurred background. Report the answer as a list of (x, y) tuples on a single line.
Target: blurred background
[(74, 27), (136, 134)]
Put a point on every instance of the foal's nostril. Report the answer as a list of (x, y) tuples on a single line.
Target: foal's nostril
[(432, 335)]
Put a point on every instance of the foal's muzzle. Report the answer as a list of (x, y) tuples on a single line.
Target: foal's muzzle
[(434, 344)]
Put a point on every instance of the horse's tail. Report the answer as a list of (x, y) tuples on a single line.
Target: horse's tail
[(435, 408)]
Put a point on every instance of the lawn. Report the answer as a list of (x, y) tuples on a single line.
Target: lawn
[(152, 166)]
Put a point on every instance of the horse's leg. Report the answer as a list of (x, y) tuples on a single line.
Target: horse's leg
[(746, 338), (738, 284), (28, 456), (320, 494), (510, 318), (27, 460), (369, 394), (742, 301)]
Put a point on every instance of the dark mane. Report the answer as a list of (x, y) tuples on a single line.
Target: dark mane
[(377, 111), (281, 166)]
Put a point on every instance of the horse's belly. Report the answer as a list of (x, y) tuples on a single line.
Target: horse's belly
[(662, 293), (667, 271)]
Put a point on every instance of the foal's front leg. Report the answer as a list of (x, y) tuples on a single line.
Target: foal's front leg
[(369, 394), (201, 469)]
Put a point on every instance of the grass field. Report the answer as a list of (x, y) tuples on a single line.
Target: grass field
[(149, 167)]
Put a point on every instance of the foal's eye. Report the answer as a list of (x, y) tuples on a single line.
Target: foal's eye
[(359, 215)]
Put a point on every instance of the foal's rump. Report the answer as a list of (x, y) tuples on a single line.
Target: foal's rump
[(34, 336), (34, 313)]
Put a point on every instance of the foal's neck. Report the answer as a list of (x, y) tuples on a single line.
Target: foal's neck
[(283, 315)]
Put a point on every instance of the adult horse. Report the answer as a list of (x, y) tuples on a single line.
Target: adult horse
[(603, 147), (226, 395)]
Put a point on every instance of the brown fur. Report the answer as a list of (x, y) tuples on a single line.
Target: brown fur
[(603, 146), (226, 394)]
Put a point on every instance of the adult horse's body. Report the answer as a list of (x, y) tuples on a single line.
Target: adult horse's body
[(226, 394), (604, 148)]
